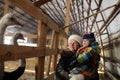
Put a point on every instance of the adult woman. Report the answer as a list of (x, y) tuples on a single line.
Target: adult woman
[(85, 63), (62, 73)]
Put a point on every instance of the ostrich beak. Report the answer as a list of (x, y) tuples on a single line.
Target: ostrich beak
[(23, 38)]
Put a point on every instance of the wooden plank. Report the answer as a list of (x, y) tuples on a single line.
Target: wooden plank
[(42, 31), (55, 56), (111, 17), (25, 35), (6, 7), (34, 11), (12, 52), (67, 20), (111, 76), (32, 35), (89, 16), (41, 2), (50, 57)]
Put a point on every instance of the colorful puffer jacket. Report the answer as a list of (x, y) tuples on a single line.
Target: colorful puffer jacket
[(87, 58)]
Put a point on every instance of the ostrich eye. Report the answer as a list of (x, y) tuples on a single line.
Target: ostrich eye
[(20, 34), (12, 19)]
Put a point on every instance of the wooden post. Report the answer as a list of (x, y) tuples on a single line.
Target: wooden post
[(50, 57), (56, 46), (67, 19), (6, 7), (41, 44)]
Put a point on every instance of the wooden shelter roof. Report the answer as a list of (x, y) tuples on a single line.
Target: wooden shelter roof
[(84, 15)]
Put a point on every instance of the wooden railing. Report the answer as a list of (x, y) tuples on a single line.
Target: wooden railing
[(12, 52), (109, 73)]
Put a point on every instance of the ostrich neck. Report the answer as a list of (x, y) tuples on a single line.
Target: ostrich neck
[(2, 31), (14, 41)]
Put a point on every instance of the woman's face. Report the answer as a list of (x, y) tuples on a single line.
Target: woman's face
[(73, 45), (86, 42)]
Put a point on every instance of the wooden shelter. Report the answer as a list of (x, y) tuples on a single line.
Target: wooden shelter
[(47, 24)]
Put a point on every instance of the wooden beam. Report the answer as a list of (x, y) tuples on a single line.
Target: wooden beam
[(95, 16), (25, 35), (111, 17), (50, 57), (36, 36), (12, 52), (6, 7), (111, 76), (57, 48), (42, 29), (41, 2), (113, 61), (67, 20), (88, 16), (34, 11)]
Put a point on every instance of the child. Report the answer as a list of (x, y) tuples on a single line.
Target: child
[(87, 58)]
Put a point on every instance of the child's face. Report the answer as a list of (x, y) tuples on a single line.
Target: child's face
[(86, 42)]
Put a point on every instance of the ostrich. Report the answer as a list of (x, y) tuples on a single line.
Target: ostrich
[(5, 21), (14, 75)]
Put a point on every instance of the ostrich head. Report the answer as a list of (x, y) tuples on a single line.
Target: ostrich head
[(18, 36), (15, 37), (5, 21)]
